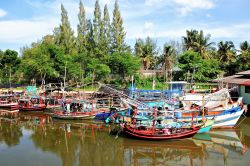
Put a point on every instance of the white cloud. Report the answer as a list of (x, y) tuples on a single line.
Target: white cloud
[(153, 2), (219, 32), (2, 13), (187, 6), (148, 25), (25, 31), (201, 4), (183, 7)]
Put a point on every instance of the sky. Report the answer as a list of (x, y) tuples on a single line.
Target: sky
[(25, 21)]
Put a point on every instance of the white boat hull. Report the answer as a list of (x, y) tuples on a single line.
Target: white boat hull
[(227, 118)]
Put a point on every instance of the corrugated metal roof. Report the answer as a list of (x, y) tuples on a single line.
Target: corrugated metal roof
[(247, 72), (235, 79), (246, 83)]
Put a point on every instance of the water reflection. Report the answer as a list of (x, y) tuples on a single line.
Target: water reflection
[(87, 143)]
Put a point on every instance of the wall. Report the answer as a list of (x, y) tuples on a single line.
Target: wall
[(246, 96)]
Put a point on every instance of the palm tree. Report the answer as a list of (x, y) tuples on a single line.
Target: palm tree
[(226, 51), (196, 41), (203, 45), (190, 39), (168, 59), (146, 51), (244, 56), (244, 47)]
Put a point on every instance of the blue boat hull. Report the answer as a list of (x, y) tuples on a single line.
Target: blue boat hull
[(204, 129)]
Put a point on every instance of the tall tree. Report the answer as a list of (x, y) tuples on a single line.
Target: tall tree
[(81, 29), (168, 61), (117, 31), (105, 32), (97, 23), (90, 37), (66, 37)]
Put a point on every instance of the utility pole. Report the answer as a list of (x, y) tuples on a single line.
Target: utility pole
[(64, 79), (10, 78)]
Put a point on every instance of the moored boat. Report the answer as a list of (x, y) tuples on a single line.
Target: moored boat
[(8, 102), (73, 115), (160, 134), (31, 105)]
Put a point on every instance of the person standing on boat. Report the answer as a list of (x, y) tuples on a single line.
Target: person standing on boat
[(67, 108)]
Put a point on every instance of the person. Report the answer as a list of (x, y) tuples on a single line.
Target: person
[(68, 108)]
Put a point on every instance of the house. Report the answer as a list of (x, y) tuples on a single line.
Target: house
[(240, 82)]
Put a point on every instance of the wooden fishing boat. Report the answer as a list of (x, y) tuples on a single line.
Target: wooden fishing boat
[(8, 102), (226, 119), (73, 115), (159, 134), (30, 105)]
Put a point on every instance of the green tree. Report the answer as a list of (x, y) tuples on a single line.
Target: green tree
[(123, 64), (196, 41), (64, 34), (97, 23), (168, 59), (81, 30), (244, 57), (105, 32), (202, 70), (90, 37), (147, 52), (117, 31), (226, 52), (36, 63), (9, 63)]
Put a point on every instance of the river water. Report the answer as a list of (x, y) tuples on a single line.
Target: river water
[(35, 139)]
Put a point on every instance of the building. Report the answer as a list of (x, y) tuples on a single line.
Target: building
[(240, 82)]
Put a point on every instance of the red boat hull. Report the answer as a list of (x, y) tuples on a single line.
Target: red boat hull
[(155, 135), (35, 108)]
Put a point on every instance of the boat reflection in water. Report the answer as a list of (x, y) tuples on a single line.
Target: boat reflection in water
[(184, 152), (37, 139), (218, 147)]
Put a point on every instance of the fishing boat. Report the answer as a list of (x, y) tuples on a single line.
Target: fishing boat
[(158, 131), (31, 104), (225, 119), (8, 102), (77, 109), (73, 115), (226, 114), (159, 134)]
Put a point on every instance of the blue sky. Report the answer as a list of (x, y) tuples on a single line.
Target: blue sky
[(25, 21)]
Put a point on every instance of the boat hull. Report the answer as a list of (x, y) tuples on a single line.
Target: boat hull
[(225, 119), (154, 136), (72, 116), (35, 108)]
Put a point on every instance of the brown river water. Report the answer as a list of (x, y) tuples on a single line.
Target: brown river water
[(35, 139)]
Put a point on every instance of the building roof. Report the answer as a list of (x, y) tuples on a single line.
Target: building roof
[(234, 79), (246, 83), (247, 72)]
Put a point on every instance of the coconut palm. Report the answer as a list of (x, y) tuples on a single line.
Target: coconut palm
[(244, 47), (203, 45), (244, 56), (226, 51), (190, 39), (196, 41), (146, 51), (168, 59)]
